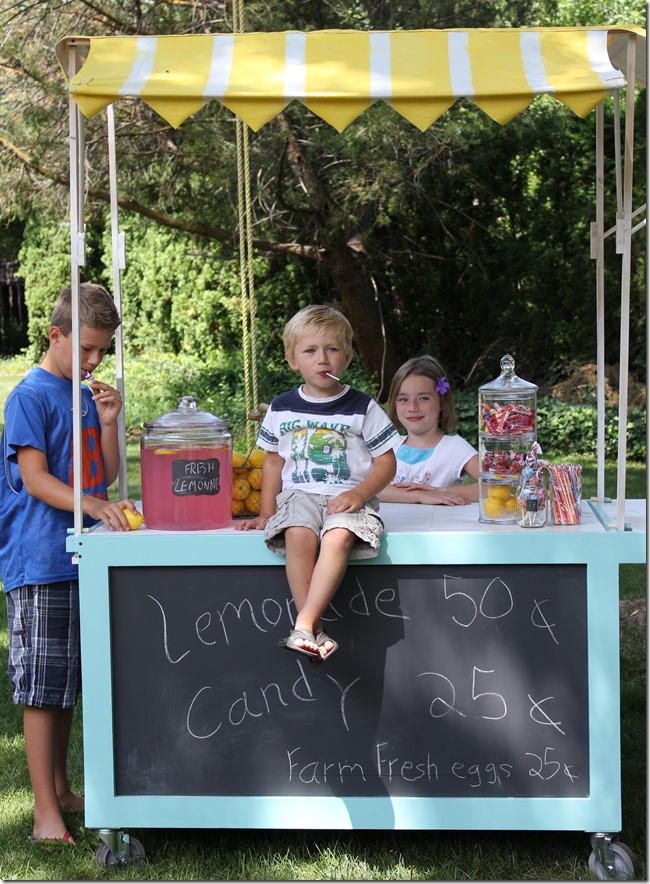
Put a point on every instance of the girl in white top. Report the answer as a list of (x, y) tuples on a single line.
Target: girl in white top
[(431, 465)]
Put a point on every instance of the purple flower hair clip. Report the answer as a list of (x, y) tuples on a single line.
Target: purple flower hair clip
[(442, 386)]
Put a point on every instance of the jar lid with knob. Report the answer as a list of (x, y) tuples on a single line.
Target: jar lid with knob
[(188, 421)]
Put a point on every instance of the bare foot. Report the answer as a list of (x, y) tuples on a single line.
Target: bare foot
[(325, 645), (325, 650), (52, 830), (306, 641), (307, 644), (71, 802)]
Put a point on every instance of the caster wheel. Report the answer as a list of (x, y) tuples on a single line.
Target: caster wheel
[(626, 865), (105, 857)]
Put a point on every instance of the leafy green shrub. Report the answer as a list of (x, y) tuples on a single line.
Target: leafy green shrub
[(466, 415), (183, 294), (568, 428), (563, 427), (45, 266), (178, 294), (44, 260), (155, 381)]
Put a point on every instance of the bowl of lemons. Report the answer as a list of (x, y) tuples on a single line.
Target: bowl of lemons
[(247, 482), (498, 502)]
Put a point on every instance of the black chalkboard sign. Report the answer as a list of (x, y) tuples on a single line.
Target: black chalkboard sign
[(454, 681), (195, 477)]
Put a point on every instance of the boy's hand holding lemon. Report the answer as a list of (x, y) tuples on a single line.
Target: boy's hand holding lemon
[(135, 519)]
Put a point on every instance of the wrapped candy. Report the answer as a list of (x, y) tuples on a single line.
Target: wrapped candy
[(508, 420), (502, 463)]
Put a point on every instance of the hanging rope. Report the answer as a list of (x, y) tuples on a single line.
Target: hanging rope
[(248, 303)]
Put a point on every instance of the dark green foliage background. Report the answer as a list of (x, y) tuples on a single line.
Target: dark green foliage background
[(155, 381), (475, 235)]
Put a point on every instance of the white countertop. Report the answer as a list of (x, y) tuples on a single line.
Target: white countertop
[(399, 517), (407, 518)]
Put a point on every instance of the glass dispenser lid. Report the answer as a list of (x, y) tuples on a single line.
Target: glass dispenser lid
[(187, 418)]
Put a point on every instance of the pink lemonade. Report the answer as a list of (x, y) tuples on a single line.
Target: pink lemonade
[(188, 488)]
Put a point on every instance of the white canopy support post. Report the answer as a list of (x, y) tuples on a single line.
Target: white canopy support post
[(626, 242), (119, 263), (598, 252), (618, 164), (77, 260)]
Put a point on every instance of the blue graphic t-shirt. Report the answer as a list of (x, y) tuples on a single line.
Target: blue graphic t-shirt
[(38, 413)]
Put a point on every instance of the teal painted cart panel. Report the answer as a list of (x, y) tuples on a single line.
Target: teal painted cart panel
[(416, 536)]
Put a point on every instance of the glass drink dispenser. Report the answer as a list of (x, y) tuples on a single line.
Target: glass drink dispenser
[(186, 461), (507, 428)]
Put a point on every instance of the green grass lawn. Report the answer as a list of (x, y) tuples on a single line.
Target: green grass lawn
[(179, 854), (7, 383)]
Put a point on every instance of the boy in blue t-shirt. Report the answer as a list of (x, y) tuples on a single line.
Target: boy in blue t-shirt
[(36, 511)]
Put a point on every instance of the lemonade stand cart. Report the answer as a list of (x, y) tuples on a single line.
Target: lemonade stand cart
[(477, 683)]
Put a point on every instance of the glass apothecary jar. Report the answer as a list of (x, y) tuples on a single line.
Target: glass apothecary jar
[(507, 429), (532, 499)]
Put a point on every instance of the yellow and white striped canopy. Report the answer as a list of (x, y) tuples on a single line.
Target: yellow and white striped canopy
[(338, 74)]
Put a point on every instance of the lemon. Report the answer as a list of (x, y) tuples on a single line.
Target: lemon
[(240, 473), (164, 451), (510, 505), (240, 489), (255, 478), (256, 457), (252, 502), (493, 508), (238, 507), (238, 459), (499, 492), (135, 519)]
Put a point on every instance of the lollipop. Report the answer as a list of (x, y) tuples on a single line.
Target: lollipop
[(531, 492)]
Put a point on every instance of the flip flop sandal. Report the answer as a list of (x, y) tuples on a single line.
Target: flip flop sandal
[(305, 635), (50, 842), (323, 637)]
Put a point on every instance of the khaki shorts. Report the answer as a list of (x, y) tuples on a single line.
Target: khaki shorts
[(297, 509)]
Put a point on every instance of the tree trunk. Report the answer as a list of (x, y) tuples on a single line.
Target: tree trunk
[(360, 303), (346, 260)]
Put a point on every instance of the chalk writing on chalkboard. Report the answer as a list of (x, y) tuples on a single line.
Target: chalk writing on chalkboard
[(460, 681), (193, 477)]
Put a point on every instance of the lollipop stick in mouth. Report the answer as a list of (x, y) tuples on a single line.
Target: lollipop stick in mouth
[(333, 376)]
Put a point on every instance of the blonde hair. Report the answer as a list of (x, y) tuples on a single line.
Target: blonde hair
[(316, 320), (96, 309), (427, 367)]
